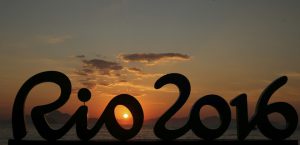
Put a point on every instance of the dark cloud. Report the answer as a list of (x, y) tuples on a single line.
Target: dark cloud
[(139, 73), (91, 69), (123, 81), (89, 84), (99, 72), (80, 56), (103, 66), (85, 71), (152, 58), (134, 69)]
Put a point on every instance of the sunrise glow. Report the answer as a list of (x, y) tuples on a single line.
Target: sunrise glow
[(125, 116), (124, 47)]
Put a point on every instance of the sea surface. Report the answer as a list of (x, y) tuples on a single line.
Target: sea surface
[(145, 134)]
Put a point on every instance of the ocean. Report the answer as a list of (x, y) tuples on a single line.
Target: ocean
[(145, 134)]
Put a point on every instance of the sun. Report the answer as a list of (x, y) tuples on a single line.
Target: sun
[(125, 116)]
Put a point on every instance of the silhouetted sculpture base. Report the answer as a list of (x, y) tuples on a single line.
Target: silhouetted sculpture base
[(155, 142)]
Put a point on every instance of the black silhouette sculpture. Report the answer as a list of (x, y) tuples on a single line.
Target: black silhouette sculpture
[(243, 126), (18, 123), (194, 122), (79, 118), (260, 118), (184, 91)]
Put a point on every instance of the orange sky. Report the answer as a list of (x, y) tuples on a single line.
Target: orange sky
[(115, 47)]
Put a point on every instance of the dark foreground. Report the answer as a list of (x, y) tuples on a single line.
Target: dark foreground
[(154, 142)]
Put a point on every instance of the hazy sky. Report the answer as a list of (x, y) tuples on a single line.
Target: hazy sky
[(124, 46)]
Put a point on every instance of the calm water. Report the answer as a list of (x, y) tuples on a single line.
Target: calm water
[(145, 133)]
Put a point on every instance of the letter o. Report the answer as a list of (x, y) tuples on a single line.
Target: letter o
[(114, 128), (224, 112)]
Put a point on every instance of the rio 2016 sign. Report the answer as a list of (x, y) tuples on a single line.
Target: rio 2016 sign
[(79, 118)]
